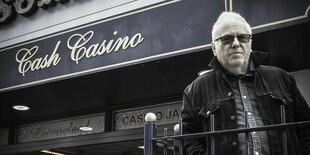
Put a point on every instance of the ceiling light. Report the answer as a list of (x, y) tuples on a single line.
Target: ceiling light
[(86, 128), (51, 152), (20, 107)]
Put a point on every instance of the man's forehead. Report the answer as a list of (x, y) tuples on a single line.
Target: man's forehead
[(232, 25)]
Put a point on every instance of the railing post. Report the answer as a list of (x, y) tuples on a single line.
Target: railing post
[(212, 137), (165, 141), (181, 140), (246, 124), (149, 133), (176, 131), (284, 137)]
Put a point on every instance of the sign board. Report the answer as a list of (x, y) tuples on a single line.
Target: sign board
[(165, 29), (134, 118), (4, 136), (60, 128)]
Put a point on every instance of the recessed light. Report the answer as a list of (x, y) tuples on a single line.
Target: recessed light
[(86, 128), (20, 107)]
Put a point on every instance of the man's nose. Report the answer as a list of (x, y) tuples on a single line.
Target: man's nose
[(235, 42)]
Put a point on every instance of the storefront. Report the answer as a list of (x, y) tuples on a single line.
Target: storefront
[(115, 61)]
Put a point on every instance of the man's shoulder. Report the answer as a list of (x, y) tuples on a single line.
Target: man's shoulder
[(201, 80), (272, 74), (272, 70), (204, 76)]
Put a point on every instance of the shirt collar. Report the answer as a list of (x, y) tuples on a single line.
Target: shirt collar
[(256, 59)]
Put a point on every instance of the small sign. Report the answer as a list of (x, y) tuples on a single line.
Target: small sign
[(4, 136), (134, 118), (60, 128)]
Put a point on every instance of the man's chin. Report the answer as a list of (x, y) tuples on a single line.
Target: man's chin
[(236, 62)]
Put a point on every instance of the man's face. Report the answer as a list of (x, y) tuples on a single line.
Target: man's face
[(234, 54)]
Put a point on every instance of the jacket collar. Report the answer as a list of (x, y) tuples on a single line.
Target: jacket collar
[(256, 59)]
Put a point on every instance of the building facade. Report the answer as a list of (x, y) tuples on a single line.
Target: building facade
[(90, 70)]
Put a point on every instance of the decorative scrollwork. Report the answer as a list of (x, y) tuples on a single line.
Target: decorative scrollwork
[(7, 13), (10, 8), (9, 2), (26, 7), (46, 3)]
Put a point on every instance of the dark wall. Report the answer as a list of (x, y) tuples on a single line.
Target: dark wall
[(288, 47)]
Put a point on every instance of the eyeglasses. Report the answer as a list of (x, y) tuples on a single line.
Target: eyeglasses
[(228, 39)]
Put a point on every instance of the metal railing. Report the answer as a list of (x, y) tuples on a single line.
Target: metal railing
[(175, 142)]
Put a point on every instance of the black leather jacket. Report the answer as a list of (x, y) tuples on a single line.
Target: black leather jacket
[(211, 94)]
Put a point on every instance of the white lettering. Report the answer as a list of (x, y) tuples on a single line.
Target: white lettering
[(81, 41), (23, 57), (77, 44)]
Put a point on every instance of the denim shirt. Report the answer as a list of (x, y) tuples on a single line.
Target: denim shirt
[(243, 89), (211, 93)]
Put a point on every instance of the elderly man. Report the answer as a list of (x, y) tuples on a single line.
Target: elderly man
[(238, 83)]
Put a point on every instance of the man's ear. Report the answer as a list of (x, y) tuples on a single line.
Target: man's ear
[(213, 48)]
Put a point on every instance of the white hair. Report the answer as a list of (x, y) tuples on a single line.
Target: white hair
[(225, 16)]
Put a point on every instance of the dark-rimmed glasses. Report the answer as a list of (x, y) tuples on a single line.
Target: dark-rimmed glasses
[(228, 39)]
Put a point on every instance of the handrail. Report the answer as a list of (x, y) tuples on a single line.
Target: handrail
[(243, 130), (151, 141)]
